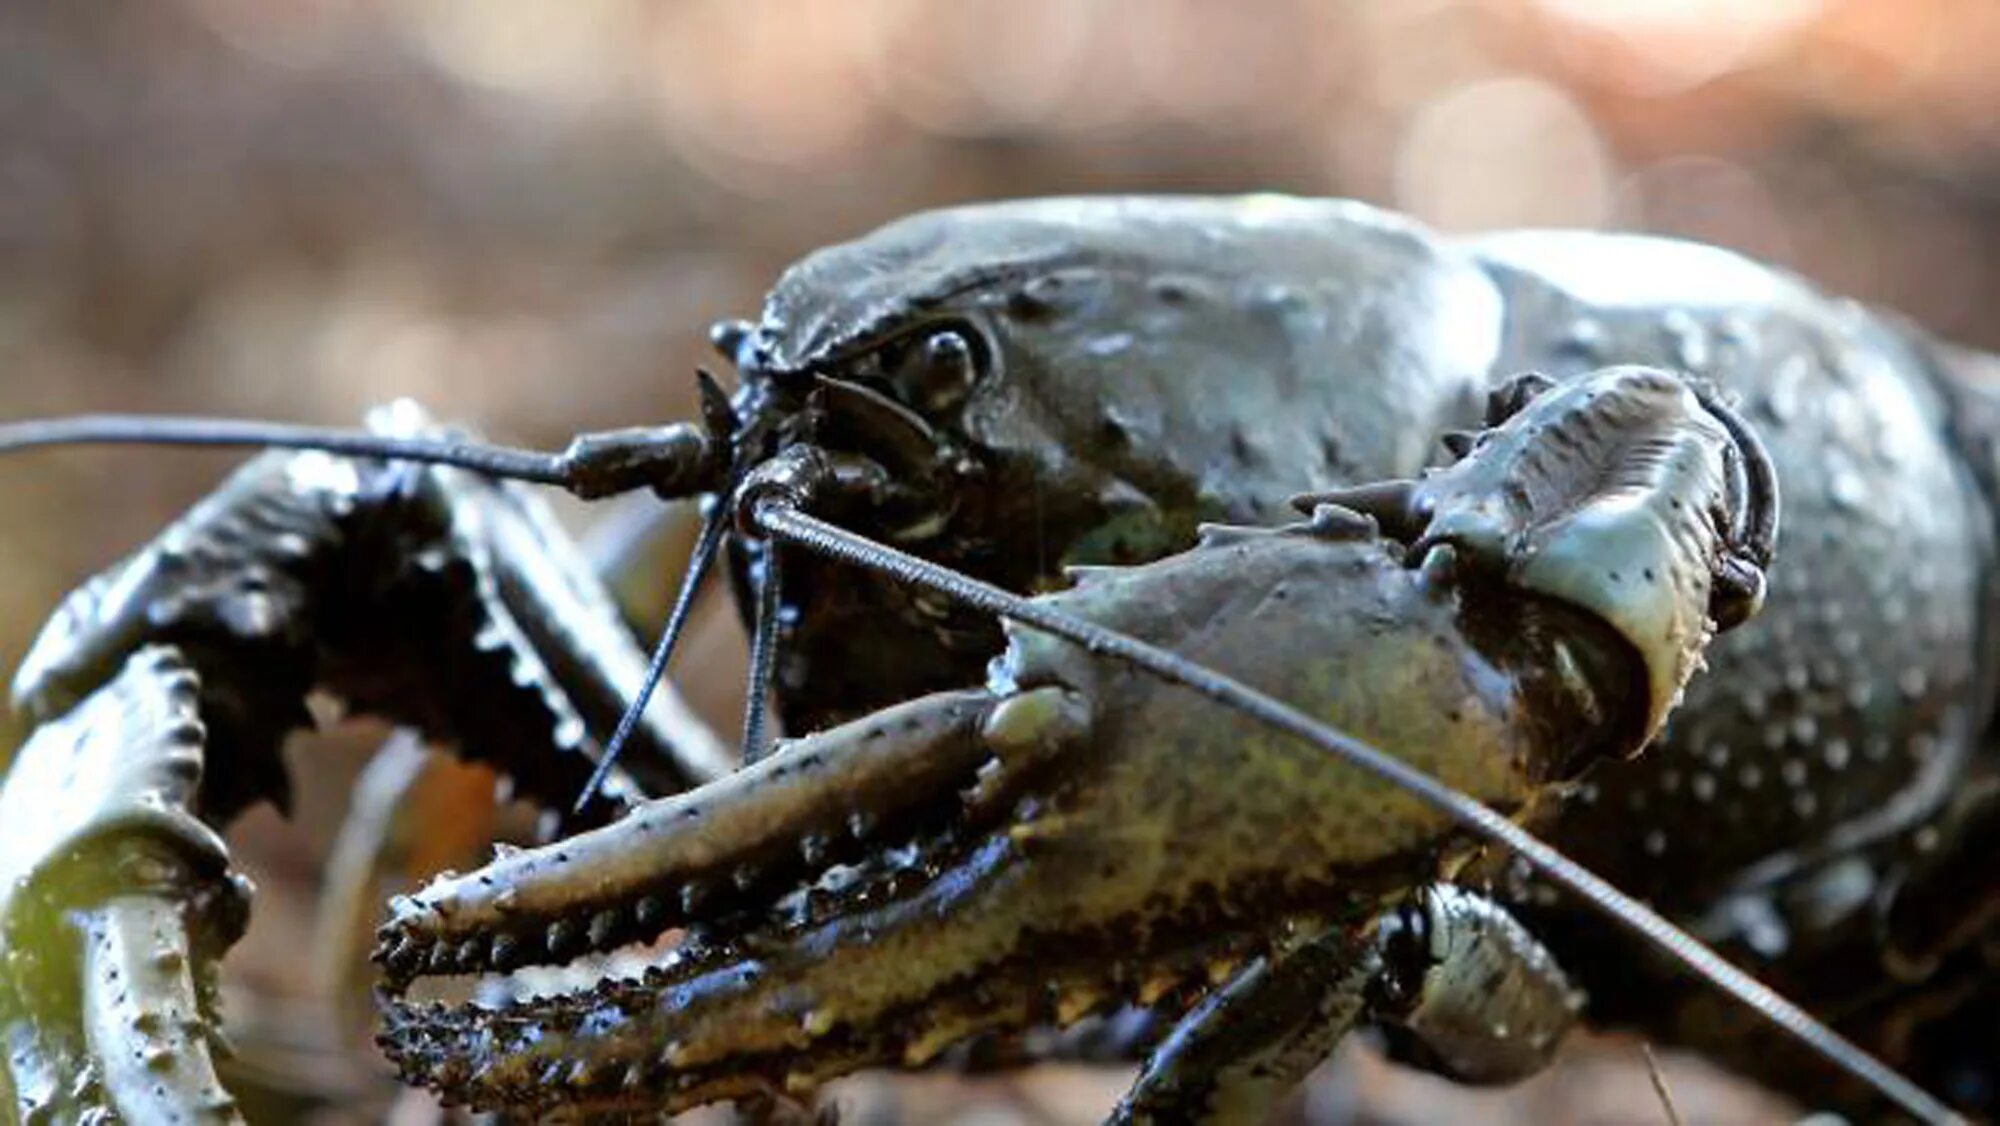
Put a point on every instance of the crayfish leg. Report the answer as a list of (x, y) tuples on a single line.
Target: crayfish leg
[(1233, 1056), (1458, 984), (412, 811)]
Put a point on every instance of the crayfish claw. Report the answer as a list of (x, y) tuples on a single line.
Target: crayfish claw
[(114, 897)]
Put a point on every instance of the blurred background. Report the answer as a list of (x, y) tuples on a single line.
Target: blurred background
[(525, 214)]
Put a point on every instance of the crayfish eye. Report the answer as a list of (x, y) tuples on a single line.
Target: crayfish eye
[(938, 372)]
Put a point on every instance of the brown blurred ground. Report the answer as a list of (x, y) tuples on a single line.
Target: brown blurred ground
[(525, 214)]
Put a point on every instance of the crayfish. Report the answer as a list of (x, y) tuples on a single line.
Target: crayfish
[(1315, 601)]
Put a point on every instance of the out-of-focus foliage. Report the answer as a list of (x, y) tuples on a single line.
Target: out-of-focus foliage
[(525, 213)]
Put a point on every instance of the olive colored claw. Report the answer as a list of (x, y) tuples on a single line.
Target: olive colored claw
[(1135, 843), (813, 802)]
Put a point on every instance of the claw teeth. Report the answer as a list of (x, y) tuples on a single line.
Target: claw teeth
[(1154, 989), (860, 824), (506, 951), (220, 1045), (1073, 1004), (472, 953), (562, 938), (650, 912), (812, 850), (926, 1048), (694, 897), (402, 958), (603, 925), (744, 878)]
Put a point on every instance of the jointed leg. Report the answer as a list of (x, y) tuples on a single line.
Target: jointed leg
[(410, 813), (1249, 1043), (1458, 984), (1467, 992)]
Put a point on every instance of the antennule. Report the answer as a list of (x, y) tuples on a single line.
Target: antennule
[(707, 543)]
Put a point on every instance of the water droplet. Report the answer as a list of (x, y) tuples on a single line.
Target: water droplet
[(1583, 338), (1844, 488), (1110, 345), (1688, 340)]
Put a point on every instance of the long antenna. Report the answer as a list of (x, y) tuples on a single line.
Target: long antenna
[(776, 517), (672, 460), (192, 430)]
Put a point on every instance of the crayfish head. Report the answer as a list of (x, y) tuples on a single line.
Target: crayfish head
[(1087, 380)]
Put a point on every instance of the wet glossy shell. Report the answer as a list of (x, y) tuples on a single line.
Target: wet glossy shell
[(1611, 494), (1159, 361)]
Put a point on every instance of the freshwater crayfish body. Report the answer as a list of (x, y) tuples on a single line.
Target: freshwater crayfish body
[(1149, 363), (985, 833)]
